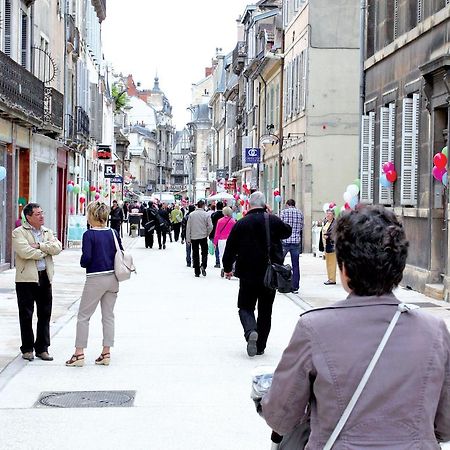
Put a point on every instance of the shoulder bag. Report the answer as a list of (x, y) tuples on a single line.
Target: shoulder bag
[(298, 438), (277, 276), (123, 262)]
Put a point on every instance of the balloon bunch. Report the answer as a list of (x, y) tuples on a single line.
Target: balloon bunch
[(327, 206), (440, 166), (351, 195), (70, 186), (277, 195), (389, 174)]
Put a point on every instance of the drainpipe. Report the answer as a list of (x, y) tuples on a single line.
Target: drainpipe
[(362, 77), (265, 119)]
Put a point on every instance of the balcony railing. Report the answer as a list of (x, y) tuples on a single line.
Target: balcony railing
[(236, 163), (239, 55), (72, 35), (53, 108), (69, 128), (20, 91), (82, 122)]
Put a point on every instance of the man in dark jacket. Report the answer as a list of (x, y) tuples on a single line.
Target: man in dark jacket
[(116, 217), (247, 246), (215, 216), (183, 235)]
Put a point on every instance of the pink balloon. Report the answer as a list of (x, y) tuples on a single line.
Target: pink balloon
[(388, 167), (438, 173), (97, 196)]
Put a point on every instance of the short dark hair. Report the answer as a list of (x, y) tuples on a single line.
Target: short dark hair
[(201, 204), (290, 202), (28, 209), (219, 205), (371, 244)]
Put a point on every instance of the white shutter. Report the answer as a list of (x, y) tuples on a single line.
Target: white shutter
[(284, 93), (295, 79), (387, 145), (305, 72), (7, 27), (367, 157), (410, 149)]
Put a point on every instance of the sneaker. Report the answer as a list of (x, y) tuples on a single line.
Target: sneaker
[(328, 282), (222, 273), (164, 246), (197, 276), (28, 356), (44, 356), (260, 352), (294, 291), (217, 266), (203, 271), (188, 264), (251, 344)]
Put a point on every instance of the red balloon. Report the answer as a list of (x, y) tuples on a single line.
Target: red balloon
[(92, 188), (440, 160), (242, 202), (391, 175), (82, 199), (347, 206)]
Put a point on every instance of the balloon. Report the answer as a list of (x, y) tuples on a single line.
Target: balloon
[(332, 205), (445, 179), (76, 170), (242, 197), (86, 185), (353, 202), (388, 166), (76, 189), (353, 189), (72, 210), (97, 196), (444, 151), (357, 182), (326, 207), (440, 160), (2, 173), (384, 181), (438, 173), (347, 206), (82, 200), (242, 202), (69, 188), (347, 196), (92, 188), (236, 196), (278, 198), (391, 175)]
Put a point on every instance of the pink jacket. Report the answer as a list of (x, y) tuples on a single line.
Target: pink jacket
[(223, 228)]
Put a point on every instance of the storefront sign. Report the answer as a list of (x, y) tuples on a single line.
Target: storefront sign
[(252, 155), (110, 171)]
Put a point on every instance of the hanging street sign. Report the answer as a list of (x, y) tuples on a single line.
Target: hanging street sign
[(252, 155)]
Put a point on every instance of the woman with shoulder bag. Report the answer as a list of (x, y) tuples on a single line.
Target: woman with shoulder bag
[(363, 391), (326, 243), (101, 286)]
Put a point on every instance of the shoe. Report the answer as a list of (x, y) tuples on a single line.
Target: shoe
[(217, 266), (44, 356), (203, 271), (103, 359), (251, 343), (328, 282), (76, 361), (294, 291), (28, 356), (260, 352), (197, 276), (188, 265), (164, 246), (222, 273)]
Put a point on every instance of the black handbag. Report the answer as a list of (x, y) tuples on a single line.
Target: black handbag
[(277, 276)]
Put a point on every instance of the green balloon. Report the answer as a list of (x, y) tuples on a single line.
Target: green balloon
[(445, 151), (357, 182)]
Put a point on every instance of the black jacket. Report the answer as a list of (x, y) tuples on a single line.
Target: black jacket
[(116, 215), (247, 245), (329, 242), (215, 216)]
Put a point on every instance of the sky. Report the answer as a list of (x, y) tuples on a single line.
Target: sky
[(175, 39)]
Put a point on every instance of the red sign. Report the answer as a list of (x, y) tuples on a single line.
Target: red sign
[(104, 152)]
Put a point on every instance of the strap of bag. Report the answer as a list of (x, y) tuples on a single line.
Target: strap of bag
[(223, 228), (402, 307), (115, 240), (266, 223)]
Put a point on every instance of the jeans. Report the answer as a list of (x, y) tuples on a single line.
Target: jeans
[(294, 250), (188, 254), (176, 230), (252, 294), (217, 254), (196, 245), (27, 294)]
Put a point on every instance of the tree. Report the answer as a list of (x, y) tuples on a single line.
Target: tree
[(120, 98)]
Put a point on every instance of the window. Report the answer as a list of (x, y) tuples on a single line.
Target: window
[(387, 146), (419, 11), (410, 150), (395, 19), (367, 157), (8, 23), (24, 39)]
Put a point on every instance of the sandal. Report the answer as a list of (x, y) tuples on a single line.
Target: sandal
[(76, 361), (103, 359)]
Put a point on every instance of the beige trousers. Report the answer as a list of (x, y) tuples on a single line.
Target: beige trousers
[(330, 259), (101, 289)]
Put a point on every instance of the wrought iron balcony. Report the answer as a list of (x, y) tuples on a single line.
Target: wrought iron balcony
[(82, 122), (53, 109), (69, 129), (21, 93), (72, 35), (239, 55), (236, 163)]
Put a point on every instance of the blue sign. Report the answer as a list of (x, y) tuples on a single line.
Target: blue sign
[(252, 155), (117, 179)]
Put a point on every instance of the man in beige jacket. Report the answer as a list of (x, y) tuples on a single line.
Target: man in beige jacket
[(35, 245)]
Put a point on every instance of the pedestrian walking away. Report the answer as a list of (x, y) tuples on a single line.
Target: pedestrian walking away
[(101, 285), (223, 230), (183, 235), (326, 244), (247, 247), (215, 217), (151, 224), (336, 362), (176, 217), (198, 228), (116, 217), (35, 246), (293, 244), (164, 225)]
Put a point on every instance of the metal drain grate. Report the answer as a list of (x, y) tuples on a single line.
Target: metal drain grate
[(86, 399)]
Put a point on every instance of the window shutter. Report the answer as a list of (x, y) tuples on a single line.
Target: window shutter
[(395, 19), (419, 10), (410, 148), (295, 85), (24, 40), (285, 90), (305, 73), (387, 145), (7, 46), (367, 156)]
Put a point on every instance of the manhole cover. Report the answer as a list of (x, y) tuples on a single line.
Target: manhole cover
[(86, 399)]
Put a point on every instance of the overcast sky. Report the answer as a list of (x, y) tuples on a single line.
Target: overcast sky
[(177, 40)]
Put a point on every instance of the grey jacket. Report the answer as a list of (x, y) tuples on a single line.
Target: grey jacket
[(406, 402), (199, 225)]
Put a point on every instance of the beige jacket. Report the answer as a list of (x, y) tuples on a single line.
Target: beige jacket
[(26, 255), (406, 402), (199, 225)]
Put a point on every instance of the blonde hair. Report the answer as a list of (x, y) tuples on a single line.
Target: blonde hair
[(227, 211), (98, 211)]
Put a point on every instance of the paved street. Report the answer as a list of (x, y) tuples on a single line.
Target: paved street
[(179, 345)]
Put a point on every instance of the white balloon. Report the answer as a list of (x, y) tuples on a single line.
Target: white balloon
[(76, 170), (326, 206), (347, 196), (353, 190)]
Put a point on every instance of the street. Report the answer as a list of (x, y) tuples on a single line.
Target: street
[(179, 345)]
